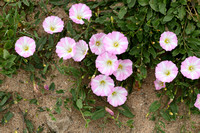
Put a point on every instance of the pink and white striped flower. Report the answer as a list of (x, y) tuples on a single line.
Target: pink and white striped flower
[(118, 96), (80, 11), (190, 67), (115, 43), (96, 44), (66, 48), (159, 84), (168, 40), (197, 103), (107, 63), (124, 69), (53, 24), (25, 46), (81, 51), (102, 85), (166, 71)]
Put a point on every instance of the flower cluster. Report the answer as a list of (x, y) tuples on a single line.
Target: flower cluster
[(106, 47), (166, 71)]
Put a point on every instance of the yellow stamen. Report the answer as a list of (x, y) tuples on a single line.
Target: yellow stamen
[(167, 40), (167, 73), (109, 62), (114, 93), (191, 68), (102, 82), (79, 17), (52, 28), (98, 43), (26, 48), (115, 44), (69, 50), (120, 67)]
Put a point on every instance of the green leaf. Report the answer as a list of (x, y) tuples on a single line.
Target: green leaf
[(162, 8), (143, 2), (3, 101), (5, 54), (7, 117), (181, 12), (26, 2), (60, 91), (87, 113), (134, 51), (153, 52), (34, 101), (168, 18), (40, 129), (190, 28), (165, 115), (52, 86), (98, 114), (29, 125), (131, 3), (154, 5), (154, 106), (194, 41), (40, 43), (126, 111), (122, 12), (79, 104), (1, 24)]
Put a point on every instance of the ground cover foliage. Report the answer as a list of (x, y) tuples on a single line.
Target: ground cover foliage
[(141, 21)]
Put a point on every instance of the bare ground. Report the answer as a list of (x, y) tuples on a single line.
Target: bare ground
[(72, 121)]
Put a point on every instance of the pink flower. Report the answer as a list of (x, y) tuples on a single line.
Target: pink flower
[(66, 48), (96, 44), (168, 40), (102, 85), (117, 97), (159, 84), (78, 12), (190, 67), (197, 103), (81, 50), (53, 24), (107, 63), (166, 71), (46, 87), (109, 111), (25, 46), (115, 43), (124, 70)]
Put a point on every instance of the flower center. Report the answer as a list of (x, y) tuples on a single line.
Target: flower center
[(109, 62), (161, 84), (114, 93), (167, 41), (98, 43), (102, 82), (116, 44), (167, 73), (84, 52), (120, 67), (26, 48), (69, 50), (191, 68), (79, 17), (52, 28)]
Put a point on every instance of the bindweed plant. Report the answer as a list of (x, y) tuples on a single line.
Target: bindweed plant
[(115, 42)]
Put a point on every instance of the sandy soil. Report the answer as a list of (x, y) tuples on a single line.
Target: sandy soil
[(71, 121)]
